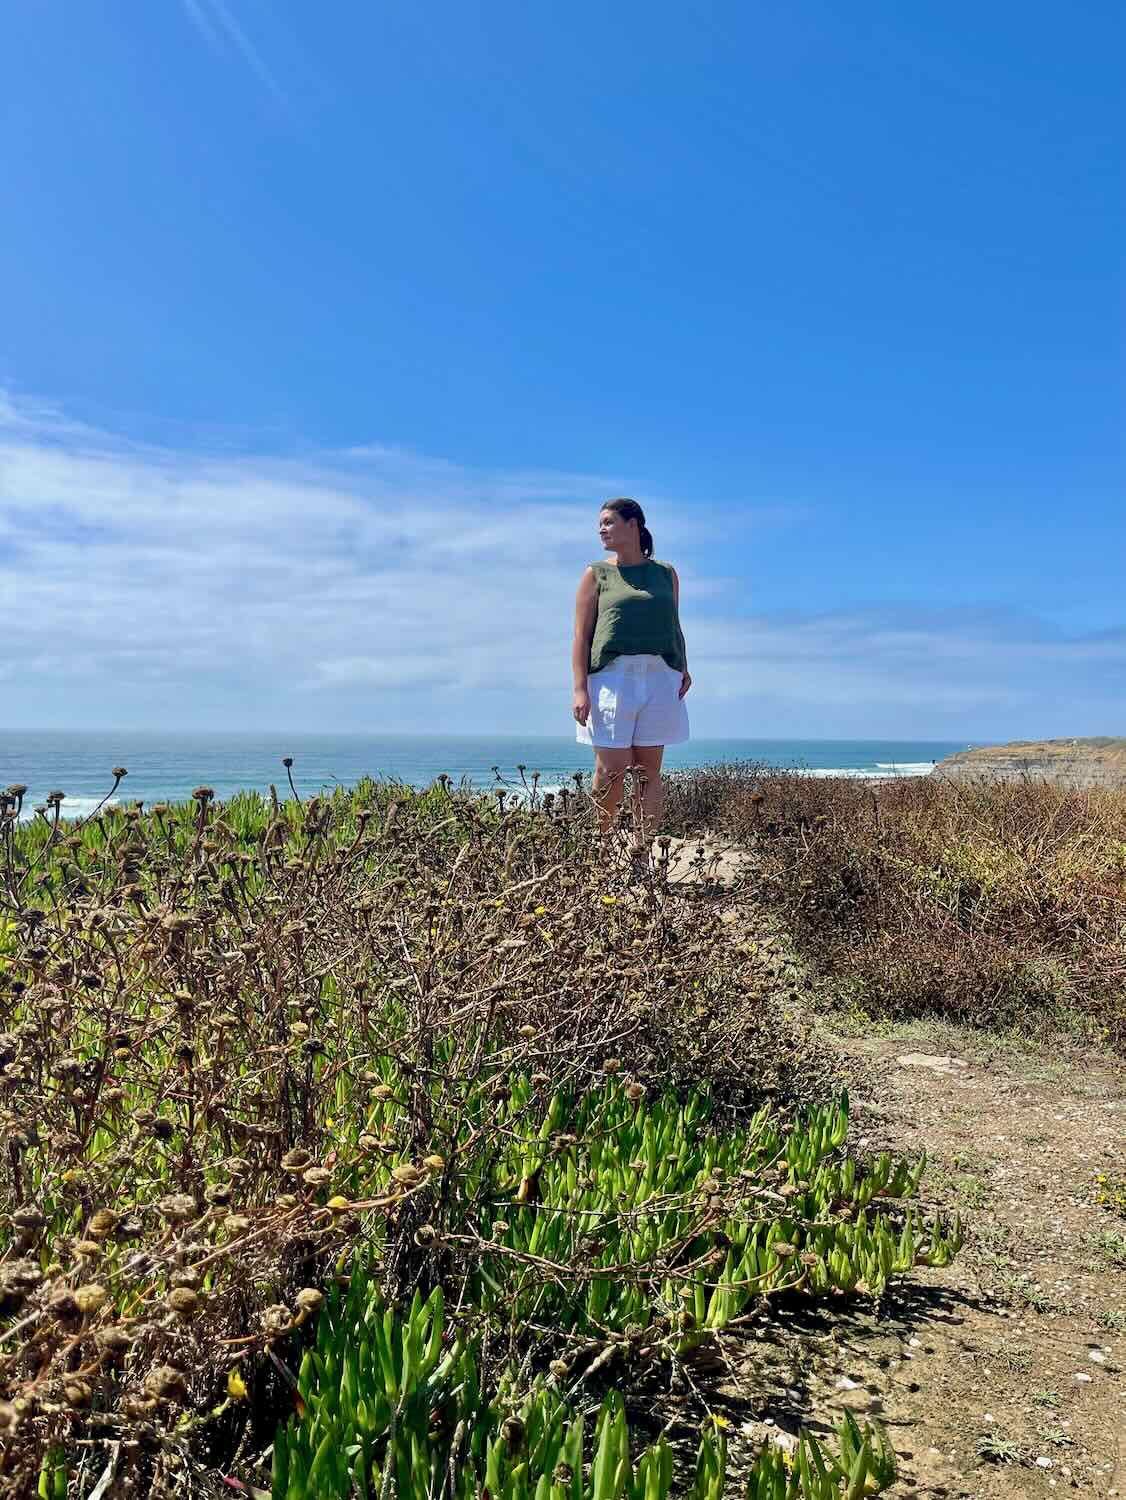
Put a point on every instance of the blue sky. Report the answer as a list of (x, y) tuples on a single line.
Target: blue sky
[(323, 331)]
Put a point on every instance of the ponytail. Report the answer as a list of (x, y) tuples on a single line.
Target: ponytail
[(646, 537)]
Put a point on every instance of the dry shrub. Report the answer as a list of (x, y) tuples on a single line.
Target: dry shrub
[(989, 902), (237, 1041)]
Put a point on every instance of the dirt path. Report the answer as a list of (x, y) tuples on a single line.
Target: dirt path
[(1021, 1343), (1004, 1374)]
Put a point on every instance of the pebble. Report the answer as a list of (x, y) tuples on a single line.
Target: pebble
[(843, 1383), (915, 1343), (1083, 1376), (1097, 1356), (1043, 1463)]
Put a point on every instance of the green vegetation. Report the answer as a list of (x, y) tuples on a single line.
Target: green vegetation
[(385, 1400), (393, 1135)]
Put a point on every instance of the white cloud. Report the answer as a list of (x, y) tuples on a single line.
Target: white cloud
[(379, 589)]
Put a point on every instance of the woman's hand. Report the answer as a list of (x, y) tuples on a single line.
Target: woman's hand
[(580, 705), (685, 684)]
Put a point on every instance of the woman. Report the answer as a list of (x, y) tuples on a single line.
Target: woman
[(630, 669)]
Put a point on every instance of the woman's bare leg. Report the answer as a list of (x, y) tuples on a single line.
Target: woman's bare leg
[(648, 798), (610, 768)]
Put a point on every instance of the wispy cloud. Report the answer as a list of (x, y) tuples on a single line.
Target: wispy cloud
[(377, 588), (215, 22)]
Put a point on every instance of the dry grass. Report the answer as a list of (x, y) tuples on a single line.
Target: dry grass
[(992, 904)]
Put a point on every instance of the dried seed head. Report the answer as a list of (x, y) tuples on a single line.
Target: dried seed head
[(407, 1174), (177, 1207), (166, 1383), (383, 1092), (184, 1302), (90, 1298), (309, 1299), (426, 1236), (78, 1392), (63, 1308), (28, 1219), (528, 1032), (296, 1160), (512, 1431), (434, 1163), (276, 1319), (236, 1224), (783, 1249), (317, 1177), (635, 1092), (113, 1341), (611, 1065), (87, 1249)]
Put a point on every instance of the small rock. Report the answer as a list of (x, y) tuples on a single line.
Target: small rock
[(1097, 1356), (843, 1383), (1082, 1376), (989, 1418), (1043, 1463), (928, 1060), (915, 1343)]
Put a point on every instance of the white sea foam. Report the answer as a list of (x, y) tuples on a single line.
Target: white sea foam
[(888, 772), (72, 807)]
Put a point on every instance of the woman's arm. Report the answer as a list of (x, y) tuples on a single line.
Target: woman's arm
[(586, 613), (687, 681)]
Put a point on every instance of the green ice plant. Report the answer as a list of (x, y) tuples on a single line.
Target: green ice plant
[(393, 1405), (863, 1465)]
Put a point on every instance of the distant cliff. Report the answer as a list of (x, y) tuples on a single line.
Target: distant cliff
[(1082, 763)]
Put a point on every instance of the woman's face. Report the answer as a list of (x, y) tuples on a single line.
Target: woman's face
[(615, 533)]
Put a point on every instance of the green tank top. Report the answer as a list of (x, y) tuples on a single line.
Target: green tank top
[(637, 615)]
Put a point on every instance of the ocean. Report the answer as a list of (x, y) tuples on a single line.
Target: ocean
[(164, 767)]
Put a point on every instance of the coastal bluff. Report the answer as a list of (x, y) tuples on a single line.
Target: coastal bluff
[(1082, 763)]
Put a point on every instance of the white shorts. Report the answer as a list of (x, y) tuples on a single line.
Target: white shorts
[(635, 701)]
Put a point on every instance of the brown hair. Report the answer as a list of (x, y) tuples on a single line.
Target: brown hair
[(629, 510)]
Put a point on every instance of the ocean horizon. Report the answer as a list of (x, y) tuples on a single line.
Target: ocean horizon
[(165, 766)]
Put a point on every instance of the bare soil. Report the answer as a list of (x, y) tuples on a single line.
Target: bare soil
[(1004, 1374)]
